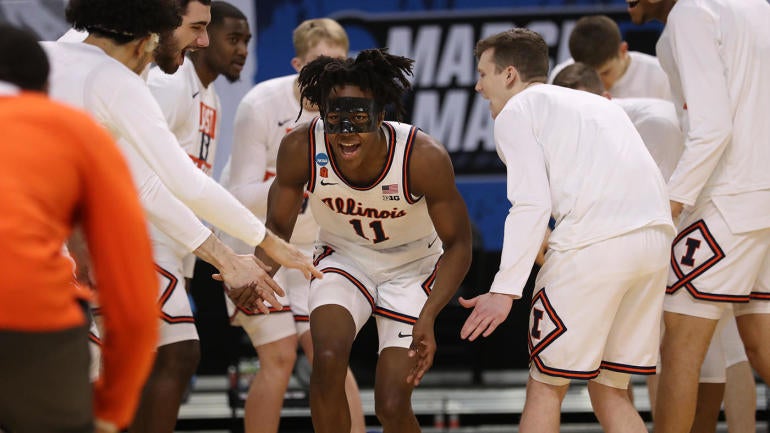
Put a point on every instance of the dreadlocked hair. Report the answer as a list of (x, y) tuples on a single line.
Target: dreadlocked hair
[(384, 74)]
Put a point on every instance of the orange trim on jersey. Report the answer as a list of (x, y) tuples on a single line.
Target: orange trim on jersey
[(407, 160), (359, 285), (164, 297), (428, 283), (390, 314), (760, 296), (311, 151), (625, 368), (327, 251), (301, 318), (391, 151), (569, 374)]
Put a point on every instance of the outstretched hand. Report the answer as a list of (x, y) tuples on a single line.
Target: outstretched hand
[(422, 350), (249, 285), (489, 311), (289, 256)]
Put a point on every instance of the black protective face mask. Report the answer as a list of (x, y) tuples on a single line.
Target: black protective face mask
[(350, 115)]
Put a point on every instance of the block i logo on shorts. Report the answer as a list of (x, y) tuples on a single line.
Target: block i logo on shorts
[(545, 325), (694, 251)]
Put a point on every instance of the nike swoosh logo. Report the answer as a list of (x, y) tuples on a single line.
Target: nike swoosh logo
[(328, 183), (400, 335), (430, 244), (196, 94), (280, 123)]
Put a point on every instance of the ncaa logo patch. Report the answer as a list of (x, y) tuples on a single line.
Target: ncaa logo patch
[(322, 159), (693, 252)]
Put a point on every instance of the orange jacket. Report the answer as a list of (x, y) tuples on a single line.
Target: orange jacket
[(59, 169)]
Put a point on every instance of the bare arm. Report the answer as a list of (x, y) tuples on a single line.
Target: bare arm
[(284, 201), (431, 175)]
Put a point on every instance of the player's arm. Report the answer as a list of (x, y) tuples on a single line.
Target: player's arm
[(286, 194), (160, 150), (248, 159), (431, 175), (525, 226), (704, 88), (122, 262)]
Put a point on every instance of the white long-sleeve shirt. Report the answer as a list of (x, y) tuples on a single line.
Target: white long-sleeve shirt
[(644, 78), (658, 125), (264, 116), (717, 56), (578, 157), (85, 76)]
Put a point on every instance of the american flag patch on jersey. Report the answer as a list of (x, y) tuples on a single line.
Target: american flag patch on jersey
[(390, 189)]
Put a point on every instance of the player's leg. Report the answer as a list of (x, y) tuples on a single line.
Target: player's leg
[(684, 346), (711, 384), (615, 411), (633, 340), (333, 332), (755, 334), (392, 393), (711, 268), (174, 365), (177, 356), (353, 394), (740, 399), (542, 407), (340, 305), (275, 341)]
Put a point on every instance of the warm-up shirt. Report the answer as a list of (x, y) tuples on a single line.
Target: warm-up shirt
[(264, 116), (658, 125), (61, 169), (644, 78), (193, 113), (578, 157), (717, 56), (85, 76)]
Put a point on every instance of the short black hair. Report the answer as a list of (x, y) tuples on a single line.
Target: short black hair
[(221, 10), (182, 4), (384, 74), (24, 62), (123, 20)]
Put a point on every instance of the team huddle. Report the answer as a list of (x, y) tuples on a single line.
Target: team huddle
[(639, 185)]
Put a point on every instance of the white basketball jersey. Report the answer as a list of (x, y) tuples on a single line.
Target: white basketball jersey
[(382, 216)]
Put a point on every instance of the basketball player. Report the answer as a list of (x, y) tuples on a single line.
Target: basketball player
[(43, 325), (385, 199), (97, 75), (715, 53), (195, 121), (264, 116), (657, 123), (575, 156), (596, 41)]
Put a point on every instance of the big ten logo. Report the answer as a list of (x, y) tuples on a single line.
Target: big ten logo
[(445, 102)]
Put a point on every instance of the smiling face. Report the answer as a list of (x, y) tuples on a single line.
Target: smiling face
[(493, 82), (229, 41), (352, 124), (191, 35)]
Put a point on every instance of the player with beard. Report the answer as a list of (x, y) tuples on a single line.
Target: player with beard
[(100, 75), (195, 121), (189, 36)]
